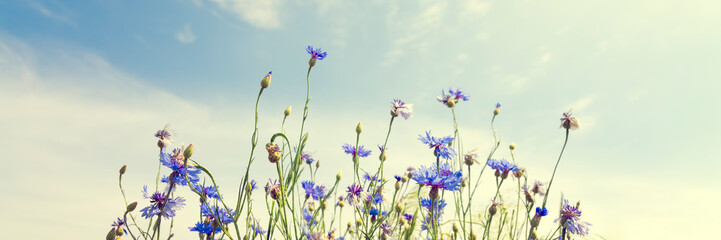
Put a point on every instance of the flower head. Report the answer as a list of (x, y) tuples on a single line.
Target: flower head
[(503, 167), (433, 205), (443, 178), (439, 145), (204, 227), (257, 229), (568, 122), (312, 190), (541, 212), (273, 152), (570, 219), (165, 133), (354, 193), (399, 108), (360, 152), (217, 212), (315, 54), (272, 188), (160, 202), (209, 191), (176, 162), (498, 109), (452, 97), (538, 188)]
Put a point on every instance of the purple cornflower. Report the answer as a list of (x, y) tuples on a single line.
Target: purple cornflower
[(305, 156), (360, 152), (439, 204), (208, 191), (374, 198), (502, 167), (165, 133), (176, 162), (272, 188), (439, 145), (570, 219), (354, 193), (368, 177), (568, 122), (317, 192), (408, 217), (158, 201), (119, 224), (399, 108), (435, 178), (252, 185), (538, 188), (387, 229), (316, 53)]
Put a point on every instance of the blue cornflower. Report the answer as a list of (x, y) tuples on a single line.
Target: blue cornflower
[(306, 157), (439, 145), (308, 217), (208, 191), (224, 217), (443, 178), (360, 152), (204, 228), (368, 177), (120, 224), (541, 212), (317, 192), (374, 198), (452, 97), (176, 162), (399, 108), (502, 167), (570, 219), (257, 229), (354, 193), (439, 204), (158, 201), (408, 217), (398, 178), (387, 230), (316, 53), (252, 185)]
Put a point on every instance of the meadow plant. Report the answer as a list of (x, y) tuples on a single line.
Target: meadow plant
[(433, 199)]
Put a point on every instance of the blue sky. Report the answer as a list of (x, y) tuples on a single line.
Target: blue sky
[(86, 83)]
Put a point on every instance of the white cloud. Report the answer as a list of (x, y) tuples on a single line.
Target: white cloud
[(185, 35), (259, 13), (413, 30), (545, 58), (51, 13)]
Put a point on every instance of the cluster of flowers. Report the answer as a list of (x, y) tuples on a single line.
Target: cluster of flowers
[(299, 209)]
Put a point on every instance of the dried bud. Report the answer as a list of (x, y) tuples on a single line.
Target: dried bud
[(359, 128), (287, 111), (266, 80), (512, 146), (188, 151), (131, 207), (122, 169), (493, 209)]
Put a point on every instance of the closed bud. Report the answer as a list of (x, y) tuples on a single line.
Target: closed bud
[(287, 111), (266, 80), (119, 232), (163, 143), (341, 203), (512, 146), (111, 235), (350, 224), (497, 173), (122, 169), (463, 182), (455, 227), (338, 176), (359, 128), (359, 222), (404, 179), (317, 164), (399, 207), (519, 173), (398, 185), (450, 103), (323, 205), (433, 194), (382, 156), (311, 207), (188, 151), (131, 207), (496, 111), (493, 209)]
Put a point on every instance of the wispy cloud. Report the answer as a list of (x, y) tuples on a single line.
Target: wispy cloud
[(185, 35), (413, 30), (259, 13), (52, 14)]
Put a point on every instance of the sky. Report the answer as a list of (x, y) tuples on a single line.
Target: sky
[(85, 84)]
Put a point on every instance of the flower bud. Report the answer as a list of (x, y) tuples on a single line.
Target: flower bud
[(493, 209), (188, 151), (433, 194), (266, 80), (131, 207), (111, 234), (163, 143), (512, 146), (504, 175), (473, 236), (497, 173), (382, 156), (311, 62), (359, 128), (287, 111), (341, 203), (359, 222), (122, 169), (317, 164), (350, 224), (339, 176), (404, 179), (463, 182), (399, 207), (534, 234), (496, 111), (450, 103), (119, 232), (519, 173), (455, 227), (311, 207), (398, 186), (323, 205)]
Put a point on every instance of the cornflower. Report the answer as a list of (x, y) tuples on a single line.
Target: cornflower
[(453, 97), (273, 152), (570, 219), (368, 177), (272, 188), (164, 136), (439, 145), (204, 227), (538, 188), (399, 108), (176, 162), (315, 54), (354, 194), (211, 213), (360, 152), (502, 167), (433, 205), (316, 191), (119, 224), (159, 203), (568, 122), (209, 191), (257, 229), (435, 178)]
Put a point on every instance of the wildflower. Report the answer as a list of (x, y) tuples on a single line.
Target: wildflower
[(257, 229), (160, 202), (374, 198), (272, 188), (164, 136), (315, 54), (308, 217), (287, 111), (273, 152), (435, 178), (453, 97), (541, 212), (266, 80), (216, 212), (439, 145), (538, 188), (433, 205), (502, 167), (120, 226), (251, 186), (204, 227), (368, 177), (570, 219), (209, 191), (176, 162), (471, 157), (383, 155), (399, 108), (359, 152), (529, 196), (512, 146), (493, 208), (498, 109), (359, 128), (354, 193), (316, 191), (568, 122)]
